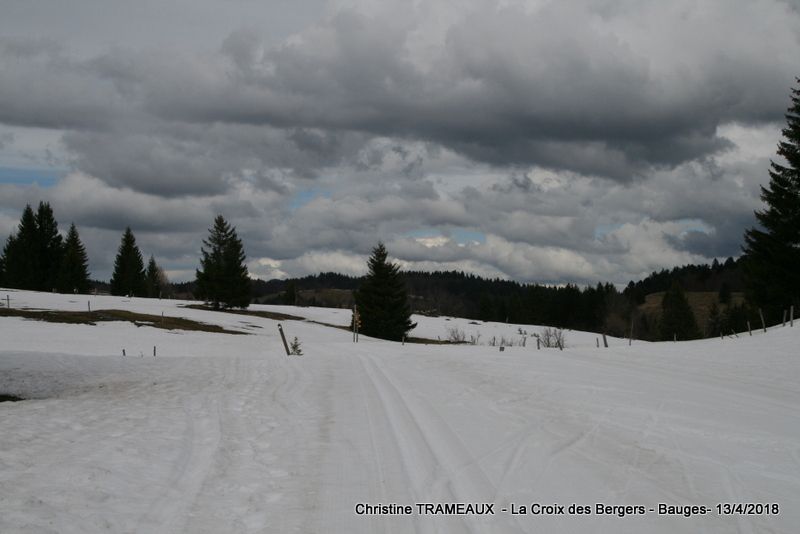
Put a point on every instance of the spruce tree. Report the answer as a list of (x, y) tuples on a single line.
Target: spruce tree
[(223, 278), (74, 275), (21, 254), (677, 319), (129, 275), (772, 251), (50, 247), (382, 299), (152, 279)]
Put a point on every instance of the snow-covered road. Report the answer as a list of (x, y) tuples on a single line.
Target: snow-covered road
[(224, 433)]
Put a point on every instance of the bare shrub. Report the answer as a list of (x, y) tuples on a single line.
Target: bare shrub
[(456, 335), (552, 338)]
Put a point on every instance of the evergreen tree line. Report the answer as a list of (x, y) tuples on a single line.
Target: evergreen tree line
[(38, 258)]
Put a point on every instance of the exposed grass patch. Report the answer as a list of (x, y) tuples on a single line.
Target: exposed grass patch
[(94, 317), (286, 317), (9, 398), (255, 313)]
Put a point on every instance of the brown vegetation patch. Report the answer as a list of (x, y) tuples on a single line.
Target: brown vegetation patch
[(93, 317), (255, 313)]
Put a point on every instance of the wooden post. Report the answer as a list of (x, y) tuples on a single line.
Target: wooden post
[(720, 335), (748, 327), (763, 324), (123, 352), (605, 341), (597, 339), (89, 305), (538, 344), (162, 319), (674, 337), (404, 339), (154, 351), (630, 337), (524, 340), (784, 318), (558, 341), (283, 338), (791, 316), (8, 302)]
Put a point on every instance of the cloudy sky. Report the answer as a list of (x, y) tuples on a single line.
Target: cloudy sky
[(549, 141)]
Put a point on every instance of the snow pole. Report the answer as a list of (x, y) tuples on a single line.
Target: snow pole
[(283, 337)]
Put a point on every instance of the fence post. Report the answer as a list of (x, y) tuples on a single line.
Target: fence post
[(791, 316), (154, 351), (283, 338), (538, 344), (748, 327), (8, 302), (605, 341), (784, 318), (763, 324), (598, 342)]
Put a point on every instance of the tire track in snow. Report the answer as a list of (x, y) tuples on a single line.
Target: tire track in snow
[(434, 457), (169, 512)]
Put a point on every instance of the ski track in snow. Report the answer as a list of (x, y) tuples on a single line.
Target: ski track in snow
[(226, 433)]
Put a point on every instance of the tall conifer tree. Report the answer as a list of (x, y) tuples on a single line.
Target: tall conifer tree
[(223, 279), (772, 252), (129, 275), (677, 319), (50, 247), (74, 275), (152, 278), (382, 299), (21, 259)]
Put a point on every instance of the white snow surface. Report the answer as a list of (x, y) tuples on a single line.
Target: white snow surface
[(225, 433)]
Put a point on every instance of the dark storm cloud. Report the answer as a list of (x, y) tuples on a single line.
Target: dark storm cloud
[(507, 87), (584, 139)]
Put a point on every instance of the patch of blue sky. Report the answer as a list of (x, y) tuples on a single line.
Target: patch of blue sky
[(301, 198), (464, 237), (23, 176), (602, 230), (695, 225)]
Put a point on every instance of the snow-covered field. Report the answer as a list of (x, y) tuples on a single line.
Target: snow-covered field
[(224, 433)]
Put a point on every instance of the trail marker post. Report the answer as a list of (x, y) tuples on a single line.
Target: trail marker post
[(283, 338)]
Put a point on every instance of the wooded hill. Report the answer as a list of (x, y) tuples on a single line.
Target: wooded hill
[(600, 308)]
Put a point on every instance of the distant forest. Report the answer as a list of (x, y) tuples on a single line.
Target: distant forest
[(599, 308)]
